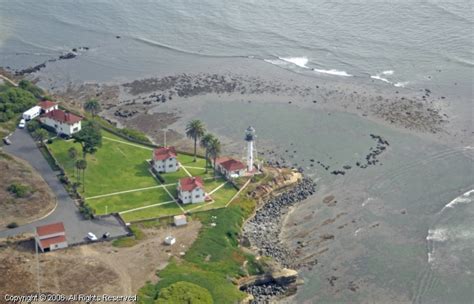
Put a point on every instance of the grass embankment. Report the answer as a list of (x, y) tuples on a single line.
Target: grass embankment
[(214, 259)]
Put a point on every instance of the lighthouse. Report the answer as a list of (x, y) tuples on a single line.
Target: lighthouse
[(250, 138)]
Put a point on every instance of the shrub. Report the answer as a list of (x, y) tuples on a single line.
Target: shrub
[(19, 190), (32, 126), (86, 211), (184, 292), (12, 225)]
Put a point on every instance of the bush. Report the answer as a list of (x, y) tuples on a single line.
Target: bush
[(14, 100), (86, 211), (30, 87), (134, 134), (184, 292), (12, 225), (32, 126), (19, 190)]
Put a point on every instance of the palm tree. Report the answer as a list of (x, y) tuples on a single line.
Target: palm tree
[(195, 129), (81, 164), (40, 135), (92, 106), (204, 143), (214, 151)]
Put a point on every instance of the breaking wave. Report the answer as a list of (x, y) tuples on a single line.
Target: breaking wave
[(462, 199), (333, 72), (299, 61)]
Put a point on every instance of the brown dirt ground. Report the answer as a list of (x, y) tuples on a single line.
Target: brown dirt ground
[(92, 269), (22, 210)]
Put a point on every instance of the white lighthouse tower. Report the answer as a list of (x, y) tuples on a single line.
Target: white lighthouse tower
[(250, 138)]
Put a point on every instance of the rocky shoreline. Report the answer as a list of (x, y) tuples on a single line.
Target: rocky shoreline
[(262, 232)]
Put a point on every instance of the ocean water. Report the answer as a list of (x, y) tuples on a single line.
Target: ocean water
[(400, 43), (424, 255)]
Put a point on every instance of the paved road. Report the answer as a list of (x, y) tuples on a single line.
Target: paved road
[(76, 227)]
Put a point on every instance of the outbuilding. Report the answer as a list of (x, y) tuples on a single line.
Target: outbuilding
[(32, 113), (230, 167), (48, 106), (51, 237), (180, 220)]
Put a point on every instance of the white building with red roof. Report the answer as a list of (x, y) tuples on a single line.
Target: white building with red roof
[(51, 237), (165, 160), (47, 106), (191, 190), (230, 167), (62, 122)]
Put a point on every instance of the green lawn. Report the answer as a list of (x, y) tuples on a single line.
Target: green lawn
[(120, 165), (114, 167), (127, 201), (152, 212)]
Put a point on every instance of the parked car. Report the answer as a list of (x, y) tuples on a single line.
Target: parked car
[(7, 141), (106, 235), (92, 237), (22, 124)]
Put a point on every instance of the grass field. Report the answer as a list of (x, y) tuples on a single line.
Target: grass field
[(117, 179)]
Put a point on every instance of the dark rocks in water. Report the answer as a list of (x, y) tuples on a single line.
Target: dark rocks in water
[(263, 229), (337, 172), (347, 167), (118, 37), (265, 292), (69, 55)]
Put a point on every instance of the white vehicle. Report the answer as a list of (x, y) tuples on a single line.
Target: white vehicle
[(22, 124), (32, 113), (91, 237)]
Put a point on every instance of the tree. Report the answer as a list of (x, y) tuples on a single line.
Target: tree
[(89, 137), (40, 135), (195, 129), (92, 106), (81, 164), (184, 293), (214, 151), (204, 143)]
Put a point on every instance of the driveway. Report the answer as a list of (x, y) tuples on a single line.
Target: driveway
[(23, 146)]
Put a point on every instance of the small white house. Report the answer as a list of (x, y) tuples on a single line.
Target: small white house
[(191, 190), (180, 220), (63, 122), (230, 167), (48, 106), (32, 113), (165, 160), (51, 237)]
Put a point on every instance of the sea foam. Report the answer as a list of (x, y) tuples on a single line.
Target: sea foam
[(333, 72), (299, 61), (463, 199)]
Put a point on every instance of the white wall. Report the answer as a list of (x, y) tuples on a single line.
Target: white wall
[(62, 128), (188, 197), (167, 165)]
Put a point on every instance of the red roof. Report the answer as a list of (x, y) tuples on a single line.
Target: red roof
[(47, 104), (190, 183), (232, 164), (54, 240), (50, 229), (63, 117), (164, 153)]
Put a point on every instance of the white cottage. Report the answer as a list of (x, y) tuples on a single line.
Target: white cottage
[(191, 190), (164, 160), (51, 237), (47, 106), (63, 122), (230, 167)]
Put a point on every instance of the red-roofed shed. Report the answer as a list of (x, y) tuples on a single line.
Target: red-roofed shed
[(51, 237)]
